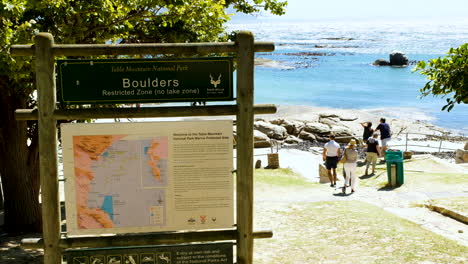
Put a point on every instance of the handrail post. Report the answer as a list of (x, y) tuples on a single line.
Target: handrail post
[(245, 92), (440, 144), (406, 147), (48, 164)]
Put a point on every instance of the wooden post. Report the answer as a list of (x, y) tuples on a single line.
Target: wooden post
[(245, 96), (393, 176), (406, 145), (46, 97), (46, 114)]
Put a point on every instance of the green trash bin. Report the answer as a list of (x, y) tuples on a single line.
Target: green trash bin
[(395, 157)]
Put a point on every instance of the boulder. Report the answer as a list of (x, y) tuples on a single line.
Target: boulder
[(278, 121), (271, 130), (341, 131), (323, 173), (322, 139), (273, 161), (345, 139), (328, 115), (348, 118), (293, 140), (461, 156), (261, 140), (293, 127), (381, 62), (398, 59), (316, 128), (466, 146), (258, 164), (307, 136), (340, 117), (330, 121)]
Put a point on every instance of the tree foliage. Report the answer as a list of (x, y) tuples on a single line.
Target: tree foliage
[(448, 76), (85, 22)]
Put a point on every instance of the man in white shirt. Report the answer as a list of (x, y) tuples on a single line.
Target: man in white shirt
[(331, 154)]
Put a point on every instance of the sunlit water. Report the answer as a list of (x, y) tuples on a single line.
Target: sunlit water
[(330, 65)]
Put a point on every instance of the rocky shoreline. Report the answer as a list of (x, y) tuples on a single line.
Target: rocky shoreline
[(303, 127)]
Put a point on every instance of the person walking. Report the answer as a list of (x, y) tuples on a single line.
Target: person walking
[(331, 153), (350, 156), (385, 135), (372, 152)]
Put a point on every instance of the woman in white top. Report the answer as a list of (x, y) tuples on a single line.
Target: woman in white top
[(350, 156)]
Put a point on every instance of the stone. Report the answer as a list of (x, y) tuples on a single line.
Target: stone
[(321, 139), (316, 128), (278, 121), (294, 140), (381, 62), (398, 59), (341, 131), (348, 118), (466, 146), (323, 173), (261, 140), (407, 155), (328, 115), (341, 117), (258, 164), (271, 130), (293, 127), (307, 136), (273, 161), (461, 156), (345, 139), (329, 121)]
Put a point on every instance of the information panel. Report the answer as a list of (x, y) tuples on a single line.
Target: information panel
[(144, 80), (147, 177), (211, 253)]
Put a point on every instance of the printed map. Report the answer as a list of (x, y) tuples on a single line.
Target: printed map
[(120, 181)]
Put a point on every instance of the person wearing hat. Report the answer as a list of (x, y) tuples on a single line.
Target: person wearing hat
[(350, 156)]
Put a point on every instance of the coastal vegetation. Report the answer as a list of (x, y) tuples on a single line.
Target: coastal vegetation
[(448, 77), (84, 22)]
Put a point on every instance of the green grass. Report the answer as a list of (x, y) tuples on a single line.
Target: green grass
[(350, 232), (281, 177), (419, 173)]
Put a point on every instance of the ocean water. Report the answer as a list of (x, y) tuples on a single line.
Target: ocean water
[(329, 64)]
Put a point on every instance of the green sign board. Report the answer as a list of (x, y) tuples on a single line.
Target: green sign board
[(211, 253), (145, 80)]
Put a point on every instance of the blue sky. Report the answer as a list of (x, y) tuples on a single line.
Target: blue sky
[(372, 9)]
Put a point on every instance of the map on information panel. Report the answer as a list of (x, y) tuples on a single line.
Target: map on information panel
[(104, 190), (147, 177)]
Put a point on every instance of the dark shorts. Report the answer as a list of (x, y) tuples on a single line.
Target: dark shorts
[(331, 162)]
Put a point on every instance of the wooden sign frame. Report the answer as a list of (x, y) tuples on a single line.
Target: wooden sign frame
[(47, 115)]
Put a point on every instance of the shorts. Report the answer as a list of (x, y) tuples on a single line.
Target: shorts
[(331, 163), (371, 157), (385, 142)]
